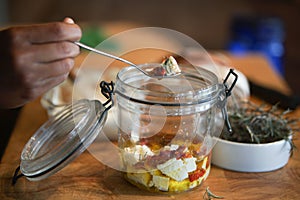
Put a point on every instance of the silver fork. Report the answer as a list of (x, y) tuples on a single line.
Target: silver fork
[(122, 60)]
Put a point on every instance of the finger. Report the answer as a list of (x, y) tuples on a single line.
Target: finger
[(54, 51), (51, 32), (51, 82), (40, 87), (54, 69), (69, 20)]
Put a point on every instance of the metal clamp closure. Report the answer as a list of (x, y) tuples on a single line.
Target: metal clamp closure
[(107, 90), (229, 89), (228, 93)]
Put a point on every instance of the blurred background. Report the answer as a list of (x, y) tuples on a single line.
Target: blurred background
[(267, 26), (270, 27)]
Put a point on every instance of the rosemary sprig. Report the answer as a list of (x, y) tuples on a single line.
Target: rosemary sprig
[(253, 123), (208, 195)]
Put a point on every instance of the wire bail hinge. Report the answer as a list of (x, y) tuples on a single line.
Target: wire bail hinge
[(227, 94)]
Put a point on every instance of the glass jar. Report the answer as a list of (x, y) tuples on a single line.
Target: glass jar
[(166, 129), (166, 126)]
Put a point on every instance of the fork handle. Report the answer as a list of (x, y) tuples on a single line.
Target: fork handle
[(103, 53)]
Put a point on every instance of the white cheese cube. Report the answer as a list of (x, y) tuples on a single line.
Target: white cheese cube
[(190, 164), (179, 174), (135, 154), (171, 66), (129, 158), (170, 165), (174, 168), (162, 183)]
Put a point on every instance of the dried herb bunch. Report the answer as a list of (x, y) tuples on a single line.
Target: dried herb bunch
[(253, 123)]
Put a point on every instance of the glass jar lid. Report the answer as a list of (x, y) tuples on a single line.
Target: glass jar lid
[(62, 138)]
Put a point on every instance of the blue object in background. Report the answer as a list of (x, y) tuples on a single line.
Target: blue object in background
[(259, 34)]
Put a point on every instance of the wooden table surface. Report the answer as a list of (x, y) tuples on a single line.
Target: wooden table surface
[(87, 178)]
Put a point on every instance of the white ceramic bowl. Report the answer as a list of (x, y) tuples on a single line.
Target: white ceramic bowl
[(245, 157)]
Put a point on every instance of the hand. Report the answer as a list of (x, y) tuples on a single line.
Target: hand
[(34, 59)]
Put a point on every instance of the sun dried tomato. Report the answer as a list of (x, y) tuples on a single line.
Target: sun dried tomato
[(196, 174)]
